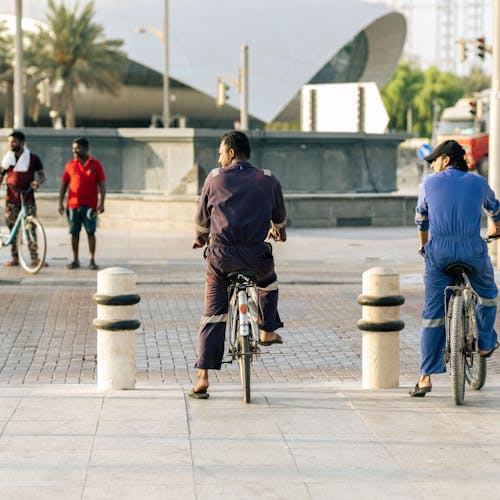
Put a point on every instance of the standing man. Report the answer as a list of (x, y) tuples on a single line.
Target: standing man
[(448, 217), (86, 180), (19, 164), (238, 205)]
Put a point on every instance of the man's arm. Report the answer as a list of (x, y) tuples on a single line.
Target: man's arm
[(62, 193), (423, 238), (41, 179), (278, 221), (102, 196)]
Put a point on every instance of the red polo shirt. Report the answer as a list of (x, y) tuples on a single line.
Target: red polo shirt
[(83, 181)]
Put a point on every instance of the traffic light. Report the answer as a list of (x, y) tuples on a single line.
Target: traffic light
[(473, 107), (481, 47), (222, 95)]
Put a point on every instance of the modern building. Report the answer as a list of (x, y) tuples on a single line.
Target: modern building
[(290, 42)]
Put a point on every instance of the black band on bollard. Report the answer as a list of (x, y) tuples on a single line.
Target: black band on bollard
[(389, 300), (116, 325), (380, 326), (116, 300)]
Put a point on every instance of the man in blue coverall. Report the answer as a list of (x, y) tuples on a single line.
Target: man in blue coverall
[(240, 206), (448, 217)]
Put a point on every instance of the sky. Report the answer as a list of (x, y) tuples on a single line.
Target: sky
[(422, 36)]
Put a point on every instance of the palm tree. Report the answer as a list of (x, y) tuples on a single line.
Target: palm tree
[(71, 51), (7, 73)]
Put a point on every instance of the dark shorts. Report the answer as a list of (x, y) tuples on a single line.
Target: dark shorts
[(82, 215)]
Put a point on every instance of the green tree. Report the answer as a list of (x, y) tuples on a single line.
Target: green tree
[(399, 93), (438, 87), (71, 51), (6, 73), (475, 81)]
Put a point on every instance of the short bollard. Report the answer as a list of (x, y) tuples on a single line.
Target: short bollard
[(116, 325), (380, 325)]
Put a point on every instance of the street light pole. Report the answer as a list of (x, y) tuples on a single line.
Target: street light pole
[(18, 69), (494, 144), (166, 90), (244, 88)]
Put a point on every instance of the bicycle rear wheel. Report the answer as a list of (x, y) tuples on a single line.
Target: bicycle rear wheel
[(31, 244), (457, 355), (475, 372)]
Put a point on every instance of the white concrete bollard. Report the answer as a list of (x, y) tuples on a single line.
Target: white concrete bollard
[(116, 325), (380, 325)]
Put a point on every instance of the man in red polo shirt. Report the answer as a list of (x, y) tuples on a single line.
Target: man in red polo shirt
[(85, 178)]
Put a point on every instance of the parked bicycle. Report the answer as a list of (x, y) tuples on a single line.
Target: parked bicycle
[(242, 330), (29, 234), (462, 350)]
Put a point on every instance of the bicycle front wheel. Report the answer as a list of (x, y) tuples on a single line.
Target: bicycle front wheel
[(457, 354), (244, 359), (31, 244)]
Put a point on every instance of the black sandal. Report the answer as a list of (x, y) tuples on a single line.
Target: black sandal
[(73, 265), (420, 392), (489, 353)]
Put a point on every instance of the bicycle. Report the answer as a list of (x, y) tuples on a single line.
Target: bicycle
[(242, 330), (462, 350), (29, 234)]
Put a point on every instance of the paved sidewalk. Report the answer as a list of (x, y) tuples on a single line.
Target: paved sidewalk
[(311, 432)]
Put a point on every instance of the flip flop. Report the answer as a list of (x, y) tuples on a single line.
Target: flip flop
[(202, 394), (277, 340), (73, 265), (489, 353), (420, 392)]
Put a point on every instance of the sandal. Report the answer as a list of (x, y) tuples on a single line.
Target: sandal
[(11, 263), (420, 392), (73, 265), (276, 340), (201, 394), (489, 353), (93, 266)]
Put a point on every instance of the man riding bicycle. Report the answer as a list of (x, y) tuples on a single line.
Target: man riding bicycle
[(449, 209), (238, 203)]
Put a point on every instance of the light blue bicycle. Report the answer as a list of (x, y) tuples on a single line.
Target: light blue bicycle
[(30, 237)]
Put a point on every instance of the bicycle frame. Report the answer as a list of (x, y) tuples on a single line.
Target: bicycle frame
[(19, 222), (242, 309)]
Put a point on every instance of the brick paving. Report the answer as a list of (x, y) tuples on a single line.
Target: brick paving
[(45, 321), (46, 335)]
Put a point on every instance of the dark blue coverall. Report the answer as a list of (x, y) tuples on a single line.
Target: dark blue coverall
[(237, 205), (450, 205)]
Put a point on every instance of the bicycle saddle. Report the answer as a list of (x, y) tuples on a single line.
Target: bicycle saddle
[(246, 273), (457, 269)]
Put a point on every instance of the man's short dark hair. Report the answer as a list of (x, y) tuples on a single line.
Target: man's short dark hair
[(238, 141), (82, 141), (17, 134)]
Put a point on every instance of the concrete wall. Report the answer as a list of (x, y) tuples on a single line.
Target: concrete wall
[(176, 213), (176, 161), (154, 176)]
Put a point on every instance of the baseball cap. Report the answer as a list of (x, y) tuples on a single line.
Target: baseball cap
[(450, 148)]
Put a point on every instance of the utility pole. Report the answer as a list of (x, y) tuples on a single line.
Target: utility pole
[(18, 68), (494, 144), (244, 88), (166, 89), (240, 84)]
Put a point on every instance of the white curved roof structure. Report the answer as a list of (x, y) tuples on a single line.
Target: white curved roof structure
[(291, 43)]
